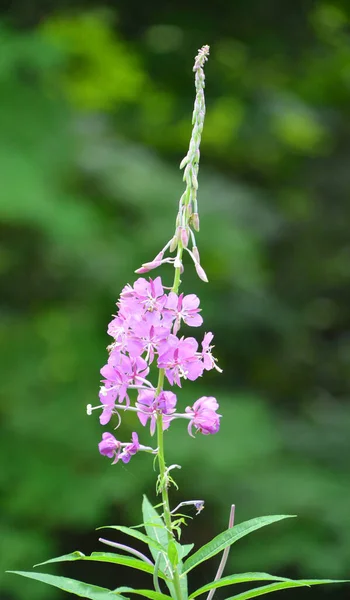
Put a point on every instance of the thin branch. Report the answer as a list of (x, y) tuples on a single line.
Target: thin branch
[(155, 573), (225, 554), (127, 549)]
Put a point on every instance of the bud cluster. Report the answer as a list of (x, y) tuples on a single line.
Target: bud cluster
[(187, 220)]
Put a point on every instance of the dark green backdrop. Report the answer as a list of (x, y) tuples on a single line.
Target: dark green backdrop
[(95, 109)]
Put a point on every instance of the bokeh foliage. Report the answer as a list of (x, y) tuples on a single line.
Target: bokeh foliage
[(94, 118)]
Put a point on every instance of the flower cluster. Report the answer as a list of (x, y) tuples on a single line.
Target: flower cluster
[(144, 331)]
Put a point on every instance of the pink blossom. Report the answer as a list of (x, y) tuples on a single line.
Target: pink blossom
[(130, 449), (179, 359), (150, 406), (117, 328), (184, 308), (108, 396), (148, 294), (209, 361), (204, 416), (146, 337), (115, 386), (109, 446)]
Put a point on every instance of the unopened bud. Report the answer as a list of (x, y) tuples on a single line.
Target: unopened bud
[(195, 221), (183, 199), (184, 237), (200, 272), (188, 174), (153, 264), (173, 244), (177, 263), (184, 162), (196, 254)]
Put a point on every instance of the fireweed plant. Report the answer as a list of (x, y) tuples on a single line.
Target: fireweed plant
[(145, 332)]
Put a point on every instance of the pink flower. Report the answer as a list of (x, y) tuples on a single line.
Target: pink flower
[(179, 359), (130, 449), (146, 338), (114, 374), (109, 446), (149, 407), (148, 294), (184, 308), (209, 361), (204, 416), (108, 396)]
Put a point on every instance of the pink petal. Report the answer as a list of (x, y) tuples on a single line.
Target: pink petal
[(135, 347), (171, 302), (194, 320), (190, 302), (158, 288)]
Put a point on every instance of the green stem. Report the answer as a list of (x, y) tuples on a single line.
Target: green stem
[(177, 280), (163, 484), (160, 442)]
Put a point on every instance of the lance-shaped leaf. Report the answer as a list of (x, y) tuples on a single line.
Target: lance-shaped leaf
[(118, 559), (151, 594), (79, 588), (228, 537), (233, 579), (275, 587), (156, 530), (185, 549)]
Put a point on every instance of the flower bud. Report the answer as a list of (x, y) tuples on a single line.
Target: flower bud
[(200, 272), (173, 244), (196, 254), (184, 162), (184, 237), (177, 263), (195, 221), (153, 264)]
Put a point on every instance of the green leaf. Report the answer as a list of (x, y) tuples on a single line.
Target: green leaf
[(151, 594), (155, 527), (77, 555), (79, 588), (233, 579), (118, 559), (184, 550), (136, 534), (228, 537), (274, 587), (173, 553), (156, 530)]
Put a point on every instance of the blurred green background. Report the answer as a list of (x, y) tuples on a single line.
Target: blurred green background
[(95, 109)]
